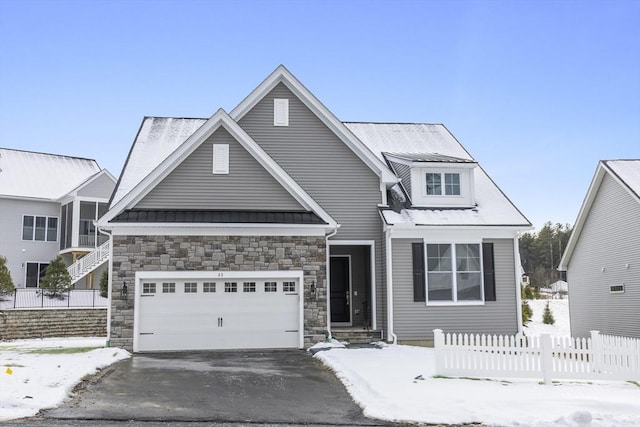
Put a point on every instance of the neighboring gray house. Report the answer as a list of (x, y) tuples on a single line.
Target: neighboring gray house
[(48, 204), (276, 224), (602, 258)]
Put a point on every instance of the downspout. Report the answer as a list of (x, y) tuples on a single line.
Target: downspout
[(390, 335), (110, 287), (327, 266), (517, 264)]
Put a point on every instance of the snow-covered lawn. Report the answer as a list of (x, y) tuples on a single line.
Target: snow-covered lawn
[(396, 383), (37, 374)]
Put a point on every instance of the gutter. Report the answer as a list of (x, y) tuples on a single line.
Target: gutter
[(391, 336), (328, 294), (110, 287)]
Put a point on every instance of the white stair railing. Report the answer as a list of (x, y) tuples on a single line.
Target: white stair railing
[(89, 262)]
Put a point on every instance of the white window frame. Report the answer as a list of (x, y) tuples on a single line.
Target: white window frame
[(454, 272), (46, 228), (443, 184), (26, 272)]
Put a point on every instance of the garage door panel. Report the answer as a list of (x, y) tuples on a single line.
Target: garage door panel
[(263, 313)]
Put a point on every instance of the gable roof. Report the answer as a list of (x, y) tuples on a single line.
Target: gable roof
[(142, 183), (27, 174), (91, 179), (282, 75), (626, 173), (421, 142)]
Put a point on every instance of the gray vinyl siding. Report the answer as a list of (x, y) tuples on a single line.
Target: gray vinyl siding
[(326, 168), (16, 250), (610, 240), (416, 321), (404, 173), (192, 185), (101, 187)]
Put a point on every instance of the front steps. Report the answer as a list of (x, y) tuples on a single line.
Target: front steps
[(355, 335)]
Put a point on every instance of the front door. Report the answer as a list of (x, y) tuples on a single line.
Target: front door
[(340, 289)]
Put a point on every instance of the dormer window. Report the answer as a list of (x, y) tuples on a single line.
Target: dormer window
[(434, 187)]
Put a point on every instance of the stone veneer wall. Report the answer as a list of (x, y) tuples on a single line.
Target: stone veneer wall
[(46, 323), (218, 253)]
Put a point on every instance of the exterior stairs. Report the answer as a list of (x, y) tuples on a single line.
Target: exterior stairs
[(89, 262), (355, 335)]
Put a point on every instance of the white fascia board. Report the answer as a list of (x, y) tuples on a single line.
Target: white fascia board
[(453, 233), (582, 216), (282, 75), (223, 229)]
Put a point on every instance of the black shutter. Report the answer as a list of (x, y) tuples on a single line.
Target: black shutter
[(418, 272), (488, 272)]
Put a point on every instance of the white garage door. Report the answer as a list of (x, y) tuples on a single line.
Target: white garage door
[(225, 310)]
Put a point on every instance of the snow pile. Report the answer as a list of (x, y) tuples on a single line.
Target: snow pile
[(559, 309), (38, 374), (396, 384)]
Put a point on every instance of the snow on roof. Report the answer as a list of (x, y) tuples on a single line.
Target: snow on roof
[(435, 141), (408, 138), (40, 175), (157, 138), (628, 171)]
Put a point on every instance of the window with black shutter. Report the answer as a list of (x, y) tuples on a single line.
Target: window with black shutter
[(488, 272), (418, 272)]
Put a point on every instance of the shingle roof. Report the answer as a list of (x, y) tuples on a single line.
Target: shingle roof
[(217, 216), (430, 142), (40, 175)]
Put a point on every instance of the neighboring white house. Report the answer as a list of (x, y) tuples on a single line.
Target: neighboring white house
[(602, 258), (48, 205)]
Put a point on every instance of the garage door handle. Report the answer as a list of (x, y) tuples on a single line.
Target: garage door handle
[(219, 322)]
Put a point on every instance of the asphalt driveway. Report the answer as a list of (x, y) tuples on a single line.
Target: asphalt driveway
[(279, 387)]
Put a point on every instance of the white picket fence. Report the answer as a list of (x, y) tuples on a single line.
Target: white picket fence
[(600, 357)]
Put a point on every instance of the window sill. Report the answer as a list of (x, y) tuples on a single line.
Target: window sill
[(453, 303)]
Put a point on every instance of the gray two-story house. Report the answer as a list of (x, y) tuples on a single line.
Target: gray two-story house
[(277, 225), (48, 206)]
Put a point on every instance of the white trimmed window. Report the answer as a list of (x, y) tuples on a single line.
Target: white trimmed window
[(288, 286), (454, 273), (148, 288), (190, 287), (221, 159), (208, 287), (280, 112), (249, 287), (231, 287), (35, 273), (40, 228), (442, 184), (270, 286), (168, 288)]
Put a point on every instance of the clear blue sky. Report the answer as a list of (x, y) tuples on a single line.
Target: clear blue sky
[(537, 91)]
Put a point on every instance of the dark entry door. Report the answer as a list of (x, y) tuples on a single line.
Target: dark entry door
[(340, 310)]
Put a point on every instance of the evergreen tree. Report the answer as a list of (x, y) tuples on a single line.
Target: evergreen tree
[(56, 279), (527, 312), (6, 283), (540, 253), (104, 284), (547, 316)]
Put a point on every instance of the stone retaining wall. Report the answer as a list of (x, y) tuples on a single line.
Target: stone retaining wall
[(45, 323), (218, 253)]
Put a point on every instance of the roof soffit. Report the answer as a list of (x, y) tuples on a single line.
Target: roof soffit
[(219, 119), (284, 76)]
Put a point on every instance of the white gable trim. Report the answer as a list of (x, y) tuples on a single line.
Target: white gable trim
[(219, 119), (89, 181), (282, 75), (594, 188)]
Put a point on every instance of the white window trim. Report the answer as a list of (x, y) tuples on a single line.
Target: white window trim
[(46, 229), (442, 184), (220, 161), (281, 112), (455, 301)]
